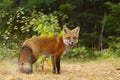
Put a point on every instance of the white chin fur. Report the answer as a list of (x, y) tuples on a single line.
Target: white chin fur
[(66, 42)]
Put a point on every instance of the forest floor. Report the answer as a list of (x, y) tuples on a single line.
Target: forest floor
[(92, 70)]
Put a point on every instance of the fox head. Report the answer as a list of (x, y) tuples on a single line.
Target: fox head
[(25, 60), (70, 37)]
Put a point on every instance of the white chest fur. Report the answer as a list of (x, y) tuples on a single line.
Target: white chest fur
[(66, 50)]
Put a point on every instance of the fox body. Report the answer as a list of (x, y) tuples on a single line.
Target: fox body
[(44, 45)]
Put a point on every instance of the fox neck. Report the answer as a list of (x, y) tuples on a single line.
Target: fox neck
[(66, 47)]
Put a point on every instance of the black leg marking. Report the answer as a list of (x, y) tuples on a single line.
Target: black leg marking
[(58, 65)]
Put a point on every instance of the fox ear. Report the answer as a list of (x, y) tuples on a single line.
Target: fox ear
[(65, 29), (77, 29)]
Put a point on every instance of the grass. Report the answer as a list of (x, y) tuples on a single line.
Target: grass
[(105, 69)]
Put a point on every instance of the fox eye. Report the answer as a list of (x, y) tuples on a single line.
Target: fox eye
[(74, 37), (67, 37), (22, 63)]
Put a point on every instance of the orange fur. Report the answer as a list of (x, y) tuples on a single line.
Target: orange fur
[(45, 45)]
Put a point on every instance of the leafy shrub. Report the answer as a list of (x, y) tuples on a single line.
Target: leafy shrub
[(79, 52), (7, 52), (24, 24), (84, 53), (34, 23), (117, 53), (27, 23)]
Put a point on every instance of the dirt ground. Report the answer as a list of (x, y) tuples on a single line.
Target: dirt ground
[(94, 70)]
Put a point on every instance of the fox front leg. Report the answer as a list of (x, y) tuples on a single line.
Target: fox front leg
[(58, 65)]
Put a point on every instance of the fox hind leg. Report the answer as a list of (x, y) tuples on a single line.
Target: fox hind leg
[(53, 64)]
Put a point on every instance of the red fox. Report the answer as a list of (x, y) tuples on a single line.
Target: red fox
[(53, 46)]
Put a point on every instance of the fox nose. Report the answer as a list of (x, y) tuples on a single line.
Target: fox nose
[(72, 43), (29, 72)]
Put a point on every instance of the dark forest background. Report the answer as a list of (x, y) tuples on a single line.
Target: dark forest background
[(99, 21)]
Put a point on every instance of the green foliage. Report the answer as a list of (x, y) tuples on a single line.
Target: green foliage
[(35, 2), (5, 4), (117, 52), (112, 25), (82, 53), (79, 52), (34, 23), (106, 53), (113, 19), (46, 24), (66, 8), (40, 3), (20, 26), (7, 52)]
